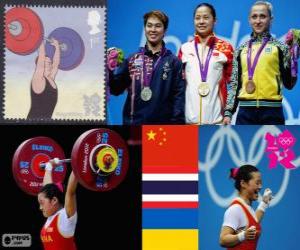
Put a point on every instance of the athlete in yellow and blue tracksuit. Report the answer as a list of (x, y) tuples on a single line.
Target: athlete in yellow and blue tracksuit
[(272, 72)]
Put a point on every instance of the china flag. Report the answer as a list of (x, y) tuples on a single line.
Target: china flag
[(170, 149)]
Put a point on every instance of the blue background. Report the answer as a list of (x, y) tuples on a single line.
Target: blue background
[(280, 225), (125, 30)]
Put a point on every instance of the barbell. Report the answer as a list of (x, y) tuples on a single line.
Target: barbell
[(99, 160), (24, 33)]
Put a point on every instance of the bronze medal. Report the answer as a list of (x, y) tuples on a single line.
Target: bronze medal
[(250, 87)]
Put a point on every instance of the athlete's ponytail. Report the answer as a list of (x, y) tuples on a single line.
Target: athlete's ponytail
[(233, 172)]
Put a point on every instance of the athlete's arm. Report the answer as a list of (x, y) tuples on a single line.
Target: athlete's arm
[(259, 215), (233, 87), (178, 93), (37, 79), (228, 238), (56, 58), (70, 198), (48, 173), (264, 204), (284, 57), (119, 79), (227, 72)]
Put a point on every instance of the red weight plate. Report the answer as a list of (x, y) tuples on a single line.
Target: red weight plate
[(27, 158), (23, 30), (83, 152)]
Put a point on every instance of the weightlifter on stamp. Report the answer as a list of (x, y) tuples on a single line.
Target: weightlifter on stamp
[(43, 87), (34, 92)]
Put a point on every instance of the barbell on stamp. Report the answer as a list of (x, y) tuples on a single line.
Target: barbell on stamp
[(99, 161), (24, 30), (24, 33)]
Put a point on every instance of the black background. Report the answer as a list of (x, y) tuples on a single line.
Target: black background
[(110, 220)]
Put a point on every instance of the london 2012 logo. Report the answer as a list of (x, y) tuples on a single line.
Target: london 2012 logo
[(280, 149)]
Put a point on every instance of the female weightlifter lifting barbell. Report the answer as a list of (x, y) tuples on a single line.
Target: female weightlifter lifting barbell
[(99, 161), (61, 213), (241, 227), (43, 86)]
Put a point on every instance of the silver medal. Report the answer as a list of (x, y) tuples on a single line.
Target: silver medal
[(146, 94)]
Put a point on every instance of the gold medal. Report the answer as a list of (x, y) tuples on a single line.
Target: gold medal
[(203, 89), (250, 87)]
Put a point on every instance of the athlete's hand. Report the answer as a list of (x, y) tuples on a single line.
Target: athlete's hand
[(250, 233), (289, 37), (51, 164), (54, 42), (226, 120), (267, 196), (266, 199), (293, 37), (115, 57)]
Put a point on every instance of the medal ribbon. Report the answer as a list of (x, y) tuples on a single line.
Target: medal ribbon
[(251, 68), (147, 74), (204, 68)]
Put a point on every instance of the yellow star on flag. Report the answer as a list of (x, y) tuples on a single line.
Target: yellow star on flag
[(151, 135)]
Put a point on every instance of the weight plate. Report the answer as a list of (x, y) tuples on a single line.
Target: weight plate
[(26, 160), (23, 31), (72, 47), (84, 156)]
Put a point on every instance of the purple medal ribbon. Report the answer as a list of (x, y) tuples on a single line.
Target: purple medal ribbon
[(204, 69), (147, 75), (252, 67)]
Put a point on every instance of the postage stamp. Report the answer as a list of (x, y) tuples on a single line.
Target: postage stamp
[(54, 64)]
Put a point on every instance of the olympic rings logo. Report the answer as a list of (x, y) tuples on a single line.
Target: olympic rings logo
[(227, 135), (286, 141)]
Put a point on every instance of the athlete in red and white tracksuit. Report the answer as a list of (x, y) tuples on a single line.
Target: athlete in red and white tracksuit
[(207, 62), (208, 109)]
